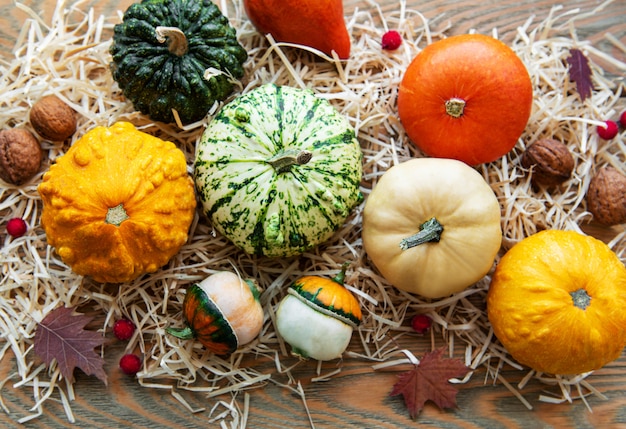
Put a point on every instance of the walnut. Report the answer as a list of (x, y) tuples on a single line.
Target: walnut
[(606, 197), (550, 160), (52, 119), (20, 155)]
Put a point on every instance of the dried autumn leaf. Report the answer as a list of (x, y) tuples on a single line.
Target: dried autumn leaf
[(429, 380), (580, 72), (61, 336)]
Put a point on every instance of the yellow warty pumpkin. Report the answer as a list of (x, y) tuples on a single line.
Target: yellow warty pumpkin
[(118, 204), (557, 302)]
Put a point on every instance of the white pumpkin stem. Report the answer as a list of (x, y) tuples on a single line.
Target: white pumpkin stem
[(430, 231), (283, 161), (175, 38), (116, 215), (455, 107)]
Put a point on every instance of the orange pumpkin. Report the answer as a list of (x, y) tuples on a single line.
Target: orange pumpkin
[(557, 302), (466, 97), (318, 24)]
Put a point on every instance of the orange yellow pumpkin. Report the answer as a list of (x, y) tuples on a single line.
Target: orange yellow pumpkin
[(118, 204), (557, 302), (467, 97)]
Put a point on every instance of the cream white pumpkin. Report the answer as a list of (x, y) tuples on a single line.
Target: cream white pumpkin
[(404, 203)]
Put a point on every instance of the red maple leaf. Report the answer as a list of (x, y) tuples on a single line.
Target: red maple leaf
[(428, 380), (61, 336), (580, 72)]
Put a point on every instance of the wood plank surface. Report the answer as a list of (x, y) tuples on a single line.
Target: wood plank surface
[(358, 397)]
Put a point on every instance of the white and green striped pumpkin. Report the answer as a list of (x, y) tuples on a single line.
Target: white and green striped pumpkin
[(278, 171)]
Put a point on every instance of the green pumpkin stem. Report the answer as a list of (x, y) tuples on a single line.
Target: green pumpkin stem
[(430, 231), (254, 289), (185, 333), (581, 298), (175, 38), (341, 275), (282, 162)]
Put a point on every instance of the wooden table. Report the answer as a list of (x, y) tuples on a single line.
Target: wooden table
[(358, 396)]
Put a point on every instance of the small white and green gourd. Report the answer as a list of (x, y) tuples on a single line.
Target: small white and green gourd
[(278, 171), (317, 316)]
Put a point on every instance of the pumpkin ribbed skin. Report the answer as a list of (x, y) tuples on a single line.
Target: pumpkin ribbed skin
[(156, 80), (538, 307), (328, 295), (278, 171), (104, 169)]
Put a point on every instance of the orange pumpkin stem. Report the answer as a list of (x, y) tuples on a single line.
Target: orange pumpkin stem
[(116, 215), (176, 40), (430, 231), (581, 298), (454, 107)]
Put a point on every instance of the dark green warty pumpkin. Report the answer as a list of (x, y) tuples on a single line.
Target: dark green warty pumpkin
[(176, 54)]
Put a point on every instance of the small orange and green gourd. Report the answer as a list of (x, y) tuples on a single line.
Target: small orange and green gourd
[(317, 316), (222, 312)]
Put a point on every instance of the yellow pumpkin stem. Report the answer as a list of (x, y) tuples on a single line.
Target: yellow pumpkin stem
[(176, 39), (454, 107), (116, 215), (283, 161), (430, 231)]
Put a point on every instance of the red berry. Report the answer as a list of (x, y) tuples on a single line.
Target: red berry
[(391, 40), (610, 131), (421, 323), (622, 119), (123, 329), (16, 227), (130, 364)]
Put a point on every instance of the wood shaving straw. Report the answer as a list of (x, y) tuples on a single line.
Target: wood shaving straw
[(69, 57)]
